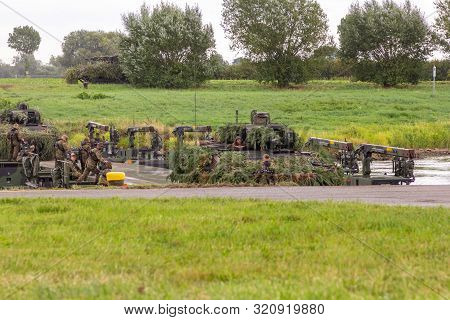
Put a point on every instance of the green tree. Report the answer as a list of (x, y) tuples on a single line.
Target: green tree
[(442, 24), (26, 41), (82, 44), (166, 46), (387, 43), (217, 66), (241, 69), (6, 70), (278, 35)]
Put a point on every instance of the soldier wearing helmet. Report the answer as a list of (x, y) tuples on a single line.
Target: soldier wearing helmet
[(94, 159), (62, 147), (61, 151), (84, 152)]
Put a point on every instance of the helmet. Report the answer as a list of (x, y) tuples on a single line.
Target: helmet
[(15, 126)]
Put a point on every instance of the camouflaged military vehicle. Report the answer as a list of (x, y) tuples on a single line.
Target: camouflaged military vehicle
[(259, 136), (24, 116), (12, 174)]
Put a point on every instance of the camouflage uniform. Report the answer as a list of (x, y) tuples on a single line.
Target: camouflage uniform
[(61, 150), (14, 139), (95, 157), (75, 170), (266, 171), (31, 165), (84, 153), (105, 168)]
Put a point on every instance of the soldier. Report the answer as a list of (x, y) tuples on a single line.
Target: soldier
[(237, 145), (30, 163), (15, 140), (266, 171), (84, 152), (98, 139), (84, 82), (75, 170), (366, 164), (95, 157), (61, 150), (104, 169)]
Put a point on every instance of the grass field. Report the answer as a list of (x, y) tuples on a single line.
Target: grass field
[(408, 116), (220, 249)]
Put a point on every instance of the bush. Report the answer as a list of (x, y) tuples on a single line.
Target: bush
[(241, 69), (442, 70), (99, 72), (96, 96)]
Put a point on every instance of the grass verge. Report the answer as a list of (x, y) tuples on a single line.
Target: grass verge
[(219, 249)]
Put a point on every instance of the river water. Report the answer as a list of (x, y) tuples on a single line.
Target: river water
[(429, 171)]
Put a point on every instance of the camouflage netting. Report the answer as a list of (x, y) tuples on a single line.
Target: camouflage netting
[(44, 141), (198, 166), (256, 138), (228, 133)]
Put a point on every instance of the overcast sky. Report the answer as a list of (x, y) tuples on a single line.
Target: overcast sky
[(59, 17)]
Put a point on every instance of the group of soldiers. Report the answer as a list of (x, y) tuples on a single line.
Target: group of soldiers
[(25, 152), (87, 160)]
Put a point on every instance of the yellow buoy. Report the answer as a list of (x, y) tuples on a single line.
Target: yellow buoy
[(115, 178)]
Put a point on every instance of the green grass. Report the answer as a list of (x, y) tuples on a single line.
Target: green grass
[(220, 249), (318, 108)]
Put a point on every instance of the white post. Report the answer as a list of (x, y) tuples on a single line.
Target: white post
[(434, 81)]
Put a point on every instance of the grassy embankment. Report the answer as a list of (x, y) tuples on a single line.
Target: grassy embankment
[(220, 249), (408, 116)]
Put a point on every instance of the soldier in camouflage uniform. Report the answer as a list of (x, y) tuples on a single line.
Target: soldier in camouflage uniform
[(75, 170), (84, 153), (61, 151), (266, 172), (15, 140), (95, 157), (105, 168)]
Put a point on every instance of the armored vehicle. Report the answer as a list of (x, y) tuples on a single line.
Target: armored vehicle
[(23, 116), (258, 137)]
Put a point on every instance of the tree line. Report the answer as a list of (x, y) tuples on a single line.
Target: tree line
[(283, 42)]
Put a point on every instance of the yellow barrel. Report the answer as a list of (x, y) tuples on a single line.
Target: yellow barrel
[(115, 178)]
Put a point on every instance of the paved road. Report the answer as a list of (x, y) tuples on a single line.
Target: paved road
[(392, 195)]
